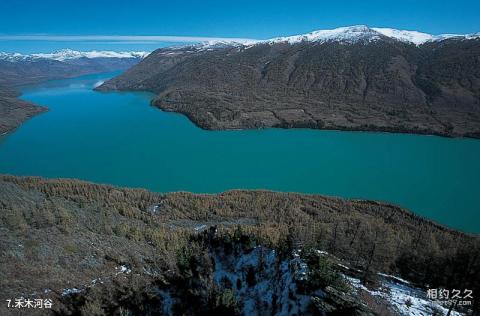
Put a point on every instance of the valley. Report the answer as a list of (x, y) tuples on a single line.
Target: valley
[(328, 173), (118, 138), (18, 70)]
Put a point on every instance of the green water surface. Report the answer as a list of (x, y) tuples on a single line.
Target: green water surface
[(118, 138)]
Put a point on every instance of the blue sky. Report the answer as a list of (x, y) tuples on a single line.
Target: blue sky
[(241, 19)]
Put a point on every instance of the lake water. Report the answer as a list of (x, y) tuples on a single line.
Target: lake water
[(118, 138)]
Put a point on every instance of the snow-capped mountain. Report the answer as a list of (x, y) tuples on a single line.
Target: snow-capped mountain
[(68, 54), (419, 38), (20, 69), (414, 37), (349, 34), (352, 34), (344, 34)]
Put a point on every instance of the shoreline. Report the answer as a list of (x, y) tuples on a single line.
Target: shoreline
[(118, 227), (16, 112), (203, 121), (404, 211), (205, 127)]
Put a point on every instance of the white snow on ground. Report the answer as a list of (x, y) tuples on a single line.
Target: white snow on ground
[(118, 270), (407, 299), (272, 278), (122, 269), (67, 54), (73, 290), (393, 277)]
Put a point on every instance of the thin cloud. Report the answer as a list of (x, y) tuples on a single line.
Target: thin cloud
[(119, 38)]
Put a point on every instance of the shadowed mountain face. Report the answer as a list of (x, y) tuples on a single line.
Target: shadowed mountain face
[(384, 85), (17, 70)]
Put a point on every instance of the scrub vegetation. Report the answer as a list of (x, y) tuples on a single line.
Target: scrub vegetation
[(58, 234)]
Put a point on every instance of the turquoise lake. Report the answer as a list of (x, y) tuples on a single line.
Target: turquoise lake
[(118, 138)]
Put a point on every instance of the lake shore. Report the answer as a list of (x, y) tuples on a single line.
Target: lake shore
[(268, 119), (14, 112), (177, 155), (67, 239), (379, 86)]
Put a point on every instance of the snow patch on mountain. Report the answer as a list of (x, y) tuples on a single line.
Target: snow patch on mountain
[(419, 38), (224, 43), (359, 33), (414, 37), (349, 34), (68, 54), (344, 34)]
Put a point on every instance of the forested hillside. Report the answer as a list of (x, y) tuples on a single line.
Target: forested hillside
[(62, 234)]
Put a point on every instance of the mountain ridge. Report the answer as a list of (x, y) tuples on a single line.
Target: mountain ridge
[(363, 32), (347, 34), (364, 85), (68, 54)]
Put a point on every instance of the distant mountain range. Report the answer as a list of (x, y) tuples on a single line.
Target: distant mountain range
[(350, 78), (69, 54), (18, 69)]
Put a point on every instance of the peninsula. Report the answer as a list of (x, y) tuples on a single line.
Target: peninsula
[(351, 78)]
